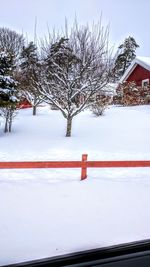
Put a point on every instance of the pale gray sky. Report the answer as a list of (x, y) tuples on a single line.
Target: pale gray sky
[(126, 17)]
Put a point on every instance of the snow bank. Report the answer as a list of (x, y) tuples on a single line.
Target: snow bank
[(50, 212)]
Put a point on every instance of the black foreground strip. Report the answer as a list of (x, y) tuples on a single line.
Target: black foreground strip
[(124, 255)]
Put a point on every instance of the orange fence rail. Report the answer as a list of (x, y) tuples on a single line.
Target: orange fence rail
[(83, 164)]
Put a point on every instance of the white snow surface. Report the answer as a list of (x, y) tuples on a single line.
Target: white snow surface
[(51, 212), (145, 60)]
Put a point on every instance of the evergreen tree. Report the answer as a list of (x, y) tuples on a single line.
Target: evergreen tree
[(61, 57), (30, 75), (29, 57), (61, 53), (8, 90), (126, 53)]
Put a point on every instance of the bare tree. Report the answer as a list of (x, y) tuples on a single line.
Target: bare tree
[(75, 67), (8, 113), (11, 42), (32, 95)]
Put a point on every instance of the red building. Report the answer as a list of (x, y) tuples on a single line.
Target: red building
[(24, 104), (138, 72)]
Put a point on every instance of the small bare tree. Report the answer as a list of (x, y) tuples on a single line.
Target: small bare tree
[(32, 95), (75, 67), (8, 113)]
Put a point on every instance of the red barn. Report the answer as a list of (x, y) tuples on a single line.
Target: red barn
[(138, 72), (24, 103)]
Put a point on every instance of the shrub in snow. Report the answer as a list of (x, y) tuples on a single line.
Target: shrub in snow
[(98, 110), (129, 94), (99, 106)]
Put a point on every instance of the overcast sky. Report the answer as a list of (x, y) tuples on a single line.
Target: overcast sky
[(126, 17)]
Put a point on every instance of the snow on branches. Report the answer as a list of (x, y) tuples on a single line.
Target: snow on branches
[(75, 67), (8, 92)]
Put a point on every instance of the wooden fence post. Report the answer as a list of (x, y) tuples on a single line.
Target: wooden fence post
[(84, 169)]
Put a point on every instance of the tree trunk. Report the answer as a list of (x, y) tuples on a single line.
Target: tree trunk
[(10, 124), (34, 110), (6, 125), (69, 126)]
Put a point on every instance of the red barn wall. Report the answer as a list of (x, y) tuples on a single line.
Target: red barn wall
[(138, 74), (24, 104)]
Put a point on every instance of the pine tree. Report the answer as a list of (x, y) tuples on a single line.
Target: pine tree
[(8, 90), (29, 57), (125, 55), (30, 75), (61, 56), (62, 59)]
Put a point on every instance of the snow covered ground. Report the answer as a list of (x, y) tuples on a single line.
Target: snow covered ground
[(51, 212)]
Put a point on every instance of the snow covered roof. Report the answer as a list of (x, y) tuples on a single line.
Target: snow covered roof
[(142, 61)]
